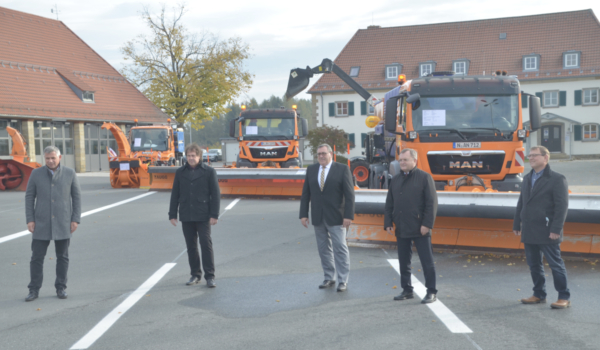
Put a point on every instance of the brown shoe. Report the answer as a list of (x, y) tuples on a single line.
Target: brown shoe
[(533, 300), (561, 304)]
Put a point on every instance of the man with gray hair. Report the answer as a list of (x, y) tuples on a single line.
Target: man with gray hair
[(53, 212), (411, 206), (329, 190)]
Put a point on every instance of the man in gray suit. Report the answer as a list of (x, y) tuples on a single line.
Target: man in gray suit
[(53, 211), (539, 219), (329, 190)]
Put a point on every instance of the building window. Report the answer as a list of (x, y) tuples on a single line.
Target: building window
[(460, 67), (571, 60), (550, 98), (426, 69), (590, 96), (88, 96), (392, 72), (341, 109), (531, 63), (354, 71), (590, 132), (371, 110)]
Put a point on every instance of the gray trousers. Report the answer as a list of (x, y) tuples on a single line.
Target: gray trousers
[(36, 266), (333, 250)]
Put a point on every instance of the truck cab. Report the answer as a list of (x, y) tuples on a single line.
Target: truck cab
[(268, 137)]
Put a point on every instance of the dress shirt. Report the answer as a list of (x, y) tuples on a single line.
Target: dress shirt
[(327, 167), (536, 176)]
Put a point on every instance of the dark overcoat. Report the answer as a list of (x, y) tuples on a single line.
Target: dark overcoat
[(543, 208), (195, 194), (411, 203), (335, 203)]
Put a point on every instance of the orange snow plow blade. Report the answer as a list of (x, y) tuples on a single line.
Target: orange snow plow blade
[(480, 221), (16, 169)]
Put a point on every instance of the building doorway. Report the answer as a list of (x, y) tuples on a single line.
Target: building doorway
[(552, 138)]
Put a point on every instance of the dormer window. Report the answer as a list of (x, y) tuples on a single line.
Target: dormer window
[(354, 71), (460, 67), (392, 71), (531, 62), (571, 59), (426, 68), (88, 96)]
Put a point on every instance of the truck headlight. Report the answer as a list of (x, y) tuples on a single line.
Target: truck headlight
[(412, 135), (522, 133)]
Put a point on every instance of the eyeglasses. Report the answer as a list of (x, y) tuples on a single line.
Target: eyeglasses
[(533, 155), (322, 154)]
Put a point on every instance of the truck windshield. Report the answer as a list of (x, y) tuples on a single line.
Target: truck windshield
[(268, 129), (149, 139), (464, 113)]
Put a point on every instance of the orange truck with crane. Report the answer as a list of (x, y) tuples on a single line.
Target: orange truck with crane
[(468, 133), (16, 168)]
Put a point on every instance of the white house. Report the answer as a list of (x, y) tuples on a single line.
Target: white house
[(555, 56)]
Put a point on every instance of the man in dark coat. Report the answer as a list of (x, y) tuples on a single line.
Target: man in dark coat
[(197, 196), (539, 219), (329, 190), (411, 205), (53, 212)]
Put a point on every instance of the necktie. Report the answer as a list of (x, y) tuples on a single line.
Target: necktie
[(322, 178)]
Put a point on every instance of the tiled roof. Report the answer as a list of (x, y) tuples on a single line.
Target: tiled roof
[(547, 35), (36, 51)]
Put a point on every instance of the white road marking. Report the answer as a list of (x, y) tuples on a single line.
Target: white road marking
[(120, 310), (454, 324), (94, 211), (231, 205)]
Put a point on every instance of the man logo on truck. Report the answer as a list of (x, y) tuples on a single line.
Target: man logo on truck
[(268, 154), (466, 164)]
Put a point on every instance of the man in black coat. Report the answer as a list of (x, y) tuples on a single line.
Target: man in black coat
[(411, 205), (197, 196), (329, 190), (539, 219)]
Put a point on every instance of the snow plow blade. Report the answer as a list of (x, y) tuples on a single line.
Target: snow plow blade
[(244, 182), (480, 222), (14, 175)]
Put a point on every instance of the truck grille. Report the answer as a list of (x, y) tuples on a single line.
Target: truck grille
[(262, 153), (458, 164)]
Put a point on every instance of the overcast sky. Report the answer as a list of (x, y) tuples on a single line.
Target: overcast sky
[(281, 34)]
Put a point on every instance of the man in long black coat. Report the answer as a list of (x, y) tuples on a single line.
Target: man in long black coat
[(411, 205), (197, 197), (539, 219)]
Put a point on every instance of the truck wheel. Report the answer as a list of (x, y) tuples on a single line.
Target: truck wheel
[(360, 170)]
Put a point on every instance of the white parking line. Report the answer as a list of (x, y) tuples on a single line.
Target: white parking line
[(94, 211), (231, 205), (454, 324), (120, 310)]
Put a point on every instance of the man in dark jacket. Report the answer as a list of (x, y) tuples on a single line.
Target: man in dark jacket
[(411, 205), (53, 211), (539, 219), (329, 190), (197, 196)]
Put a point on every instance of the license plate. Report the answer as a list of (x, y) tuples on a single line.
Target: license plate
[(467, 144)]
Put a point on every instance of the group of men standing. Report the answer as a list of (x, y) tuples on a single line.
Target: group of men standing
[(53, 211)]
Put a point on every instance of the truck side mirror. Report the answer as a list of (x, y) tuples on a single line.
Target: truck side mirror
[(391, 109), (232, 128), (535, 113), (304, 127)]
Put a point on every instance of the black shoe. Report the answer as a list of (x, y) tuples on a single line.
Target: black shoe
[(32, 296), (405, 295), (429, 298), (210, 283), (193, 280), (342, 287), (327, 284), (61, 294)]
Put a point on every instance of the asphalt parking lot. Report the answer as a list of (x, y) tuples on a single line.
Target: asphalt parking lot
[(128, 272)]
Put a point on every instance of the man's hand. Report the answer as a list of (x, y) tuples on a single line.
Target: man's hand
[(74, 226), (424, 230), (554, 235), (174, 222), (31, 226), (346, 223), (517, 233), (305, 222), (213, 221), (390, 230)]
